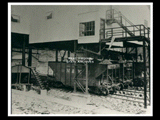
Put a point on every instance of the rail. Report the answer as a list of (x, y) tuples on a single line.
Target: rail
[(113, 14), (126, 31)]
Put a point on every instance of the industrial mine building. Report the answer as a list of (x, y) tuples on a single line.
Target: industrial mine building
[(82, 46)]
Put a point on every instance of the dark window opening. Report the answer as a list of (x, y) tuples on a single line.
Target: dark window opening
[(15, 18), (49, 15)]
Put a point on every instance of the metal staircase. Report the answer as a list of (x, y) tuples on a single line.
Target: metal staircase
[(126, 30), (36, 75), (114, 16)]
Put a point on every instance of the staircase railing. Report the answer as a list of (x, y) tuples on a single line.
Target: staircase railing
[(126, 29), (120, 32), (80, 86), (36, 75)]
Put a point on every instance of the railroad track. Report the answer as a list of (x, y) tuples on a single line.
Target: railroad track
[(134, 96)]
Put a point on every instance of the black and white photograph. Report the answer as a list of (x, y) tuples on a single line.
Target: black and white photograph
[(80, 59)]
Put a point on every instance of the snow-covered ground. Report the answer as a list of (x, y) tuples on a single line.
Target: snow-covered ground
[(58, 101)]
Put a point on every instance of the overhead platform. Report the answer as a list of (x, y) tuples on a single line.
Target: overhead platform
[(126, 33)]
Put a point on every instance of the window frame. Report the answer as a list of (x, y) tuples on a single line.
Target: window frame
[(88, 29)]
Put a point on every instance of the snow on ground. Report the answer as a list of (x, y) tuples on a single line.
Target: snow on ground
[(58, 101)]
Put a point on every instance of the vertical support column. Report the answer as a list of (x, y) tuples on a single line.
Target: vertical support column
[(48, 70), (23, 52), (56, 55), (29, 61), (86, 78), (28, 77), (100, 43), (65, 72), (122, 72), (17, 76), (149, 72), (75, 66), (115, 72), (145, 87), (119, 72), (60, 70), (30, 56), (11, 51), (133, 73), (112, 74), (126, 52), (70, 73), (70, 69), (68, 53), (107, 74), (20, 75), (136, 54)]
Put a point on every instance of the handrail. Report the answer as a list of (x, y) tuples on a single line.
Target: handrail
[(124, 17), (125, 26), (130, 30), (118, 17)]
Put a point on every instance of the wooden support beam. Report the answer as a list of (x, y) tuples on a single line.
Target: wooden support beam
[(115, 71), (133, 73), (17, 75), (145, 81), (107, 74), (86, 78), (75, 66), (48, 70), (70, 73), (68, 53), (60, 70), (65, 73), (29, 61), (112, 75), (122, 72), (56, 55), (136, 54), (30, 57), (23, 52), (119, 72), (62, 58), (20, 75), (149, 73), (28, 77)]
